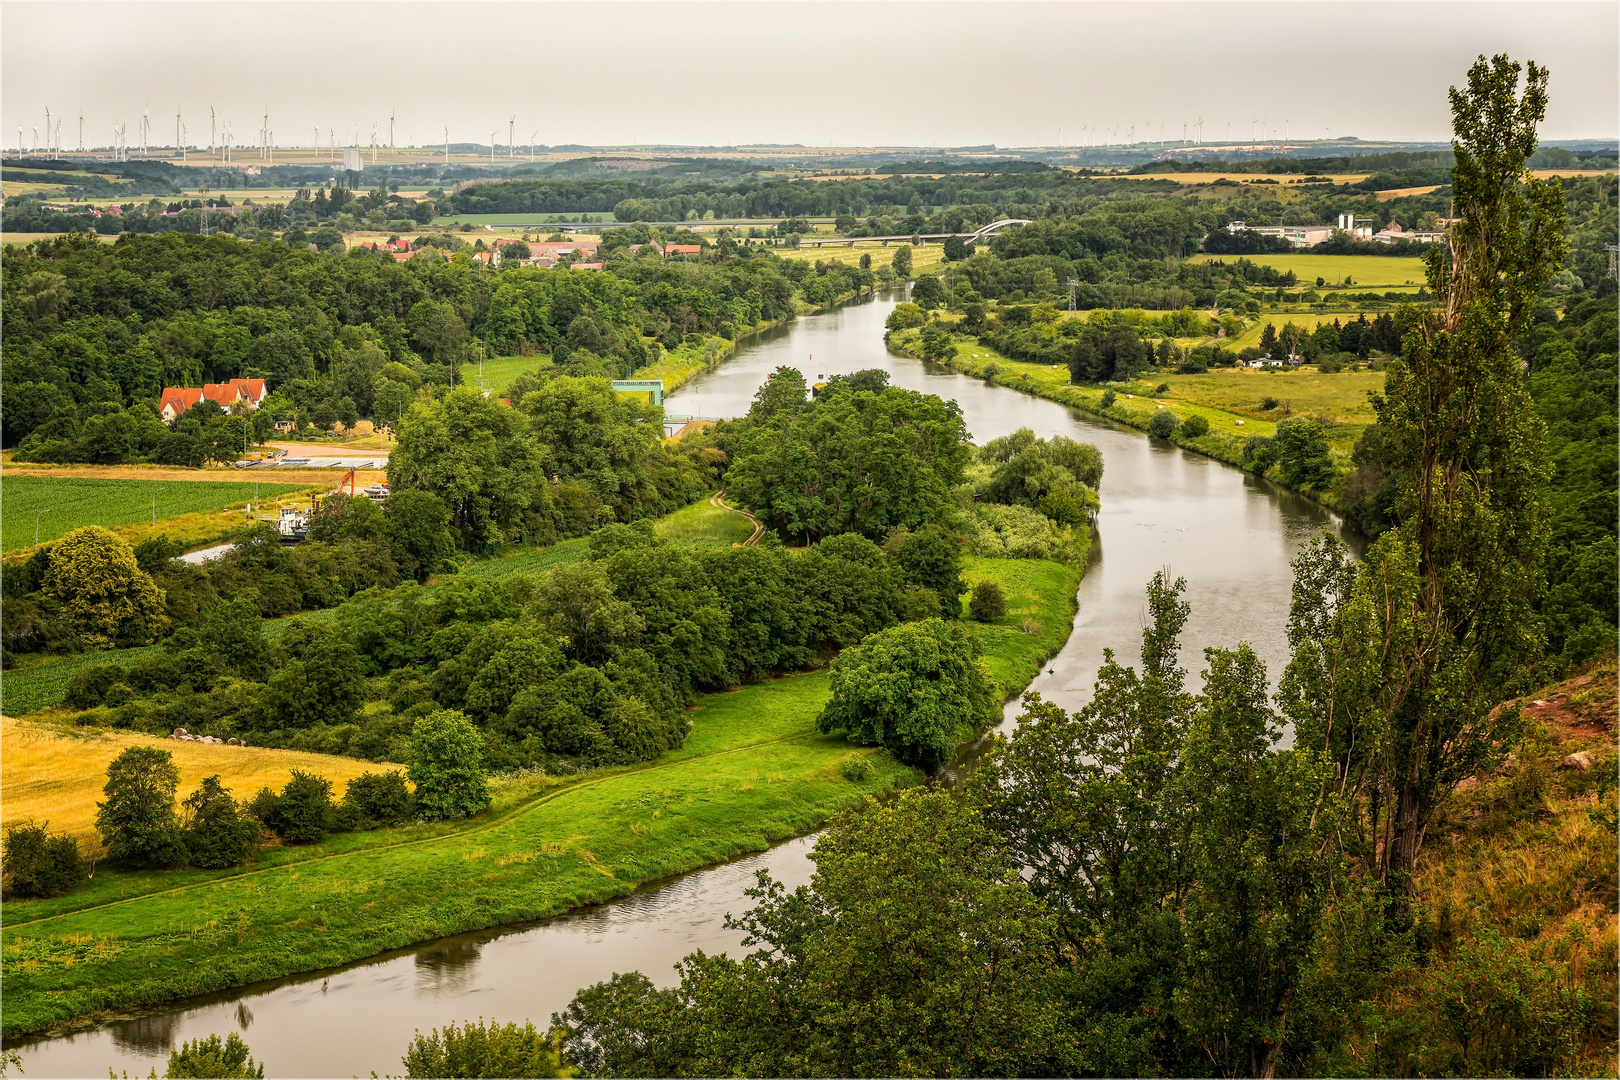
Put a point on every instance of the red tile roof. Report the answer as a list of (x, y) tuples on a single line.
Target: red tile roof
[(180, 398)]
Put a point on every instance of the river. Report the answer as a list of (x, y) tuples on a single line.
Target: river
[(1230, 535)]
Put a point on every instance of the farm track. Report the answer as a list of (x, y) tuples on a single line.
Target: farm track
[(718, 500), (508, 816)]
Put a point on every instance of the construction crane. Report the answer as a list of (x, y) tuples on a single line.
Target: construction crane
[(348, 478)]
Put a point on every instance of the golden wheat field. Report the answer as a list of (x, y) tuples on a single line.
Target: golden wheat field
[(50, 776)]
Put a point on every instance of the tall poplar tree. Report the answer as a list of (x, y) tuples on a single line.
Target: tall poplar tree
[(1400, 663)]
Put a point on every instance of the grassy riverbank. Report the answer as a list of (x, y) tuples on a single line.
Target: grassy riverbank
[(1229, 400), (754, 771)]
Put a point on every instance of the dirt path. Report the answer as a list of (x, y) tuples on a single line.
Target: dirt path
[(718, 500)]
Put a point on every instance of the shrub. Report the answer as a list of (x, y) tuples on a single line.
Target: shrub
[(263, 806), (1268, 403), (373, 799), (987, 603), (137, 823), (480, 1050), (1162, 388), (217, 832), (1108, 399), (447, 766), (1329, 365), (1194, 427), (855, 769), (1163, 424), (1016, 532), (228, 1060), (34, 863), (304, 810), (88, 686)]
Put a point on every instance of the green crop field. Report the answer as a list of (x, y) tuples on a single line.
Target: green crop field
[(1372, 271), (532, 561), (499, 371), (753, 771), (70, 502)]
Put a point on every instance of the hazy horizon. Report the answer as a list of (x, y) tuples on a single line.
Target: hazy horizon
[(817, 74)]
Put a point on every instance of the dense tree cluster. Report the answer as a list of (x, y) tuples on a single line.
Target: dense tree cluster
[(858, 459), (96, 331)]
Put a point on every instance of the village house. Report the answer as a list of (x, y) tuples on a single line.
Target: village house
[(177, 399), (682, 249)]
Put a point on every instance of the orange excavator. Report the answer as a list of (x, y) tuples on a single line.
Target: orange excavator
[(348, 478)]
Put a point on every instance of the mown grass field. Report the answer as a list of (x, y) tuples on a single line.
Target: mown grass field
[(1371, 271), (499, 371), (530, 561), (57, 777), (76, 501), (753, 771)]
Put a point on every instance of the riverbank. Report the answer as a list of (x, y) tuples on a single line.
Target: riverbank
[(1228, 431), (754, 771), (689, 361)]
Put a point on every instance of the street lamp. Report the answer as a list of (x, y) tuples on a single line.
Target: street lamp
[(37, 515)]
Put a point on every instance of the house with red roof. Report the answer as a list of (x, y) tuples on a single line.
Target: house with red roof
[(176, 400), (682, 249)]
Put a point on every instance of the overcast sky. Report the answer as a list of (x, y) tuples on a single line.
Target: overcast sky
[(822, 74)]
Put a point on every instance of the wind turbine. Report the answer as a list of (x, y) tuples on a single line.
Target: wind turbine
[(447, 146), (374, 144), (81, 131), (47, 129), (511, 136), (36, 138), (211, 120), (532, 134), (146, 127), (390, 130), (178, 125), (492, 146), (182, 141)]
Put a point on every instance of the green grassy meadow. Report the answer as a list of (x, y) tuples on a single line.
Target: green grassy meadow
[(75, 501), (499, 371), (1371, 271), (705, 525), (753, 771)]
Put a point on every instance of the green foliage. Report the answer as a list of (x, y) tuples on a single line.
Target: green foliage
[(373, 799), (1304, 458), (447, 767), (916, 689), (137, 823), (1017, 532), (988, 603), (1056, 476), (37, 864), (906, 316), (854, 461), (784, 393), (106, 598), (479, 1050), (1163, 424), (1399, 664), (211, 1058), (303, 810), (344, 517), (931, 558), (963, 940), (217, 832), (900, 262), (1195, 427)]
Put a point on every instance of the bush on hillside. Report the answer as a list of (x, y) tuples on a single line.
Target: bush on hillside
[(217, 831), (34, 863), (987, 603)]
